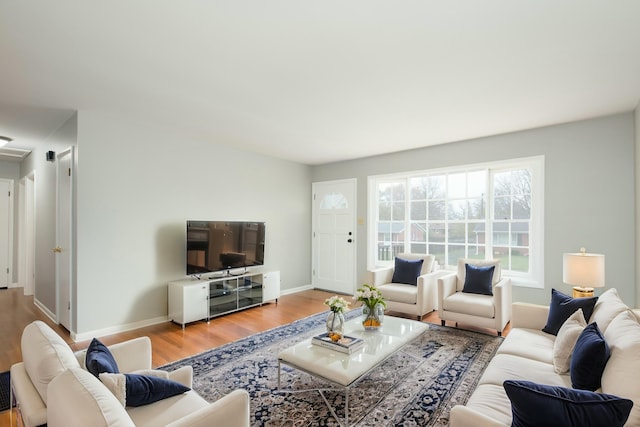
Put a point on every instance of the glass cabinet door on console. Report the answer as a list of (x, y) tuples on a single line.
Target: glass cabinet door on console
[(222, 297), (250, 291)]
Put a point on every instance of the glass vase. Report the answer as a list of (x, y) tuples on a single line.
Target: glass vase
[(372, 317), (335, 323)]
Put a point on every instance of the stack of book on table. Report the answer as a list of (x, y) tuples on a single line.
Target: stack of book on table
[(346, 344)]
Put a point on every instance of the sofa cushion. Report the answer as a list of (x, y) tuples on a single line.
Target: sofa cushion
[(621, 376), (407, 271), (399, 292), (78, 392), (509, 367), (562, 306), (530, 343), (609, 305), (138, 390), (478, 279), (168, 410), (491, 400), (590, 356), (471, 304), (541, 405), (566, 341), (45, 355), (99, 359)]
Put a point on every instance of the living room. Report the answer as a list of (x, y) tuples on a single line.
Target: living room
[(140, 174)]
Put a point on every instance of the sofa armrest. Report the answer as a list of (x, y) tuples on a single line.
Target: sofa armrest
[(530, 316), (503, 301), (380, 276), (131, 355), (463, 416), (32, 408), (427, 298), (447, 286), (230, 411)]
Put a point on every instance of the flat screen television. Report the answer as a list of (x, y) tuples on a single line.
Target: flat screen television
[(214, 246)]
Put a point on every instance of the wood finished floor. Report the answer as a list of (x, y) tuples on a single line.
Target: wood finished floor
[(169, 341)]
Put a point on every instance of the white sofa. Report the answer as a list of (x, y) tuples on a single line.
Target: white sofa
[(409, 299), (527, 354), (51, 386)]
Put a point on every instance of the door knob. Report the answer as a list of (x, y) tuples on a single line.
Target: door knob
[(57, 249)]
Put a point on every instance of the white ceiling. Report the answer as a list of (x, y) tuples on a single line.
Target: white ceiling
[(319, 81)]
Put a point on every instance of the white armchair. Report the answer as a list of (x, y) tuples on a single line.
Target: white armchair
[(487, 311), (416, 300)]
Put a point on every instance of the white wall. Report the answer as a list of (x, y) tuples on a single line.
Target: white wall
[(138, 185), (45, 192), (589, 191)]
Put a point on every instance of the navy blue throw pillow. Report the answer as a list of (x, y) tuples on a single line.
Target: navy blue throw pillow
[(563, 306), (99, 359), (478, 280), (144, 390), (407, 271), (589, 359), (536, 405)]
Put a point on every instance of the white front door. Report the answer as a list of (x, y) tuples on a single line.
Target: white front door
[(64, 246), (334, 236), (6, 227)]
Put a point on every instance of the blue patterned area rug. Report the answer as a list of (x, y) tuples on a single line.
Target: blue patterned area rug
[(417, 386)]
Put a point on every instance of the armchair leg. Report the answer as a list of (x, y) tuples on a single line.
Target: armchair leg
[(499, 333), (442, 322)]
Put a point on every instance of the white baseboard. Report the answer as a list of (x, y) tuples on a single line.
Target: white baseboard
[(135, 325), (45, 310), (295, 290), (117, 329)]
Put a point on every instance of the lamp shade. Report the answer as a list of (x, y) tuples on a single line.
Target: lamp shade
[(583, 269)]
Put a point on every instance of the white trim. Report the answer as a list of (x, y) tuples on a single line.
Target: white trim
[(148, 322), (296, 289), (10, 219), (51, 315), (534, 279), (118, 329), (26, 233), (70, 152)]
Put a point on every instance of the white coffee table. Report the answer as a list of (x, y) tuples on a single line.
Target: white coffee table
[(346, 370)]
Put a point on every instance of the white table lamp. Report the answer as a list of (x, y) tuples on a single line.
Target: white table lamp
[(584, 271)]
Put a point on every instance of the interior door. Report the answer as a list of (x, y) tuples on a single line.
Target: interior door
[(333, 238), (6, 240), (64, 241)]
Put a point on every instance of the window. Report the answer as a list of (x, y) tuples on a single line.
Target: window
[(479, 211)]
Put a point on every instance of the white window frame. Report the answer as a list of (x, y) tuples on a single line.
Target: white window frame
[(533, 279)]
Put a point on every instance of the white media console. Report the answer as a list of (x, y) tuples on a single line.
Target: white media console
[(192, 299)]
